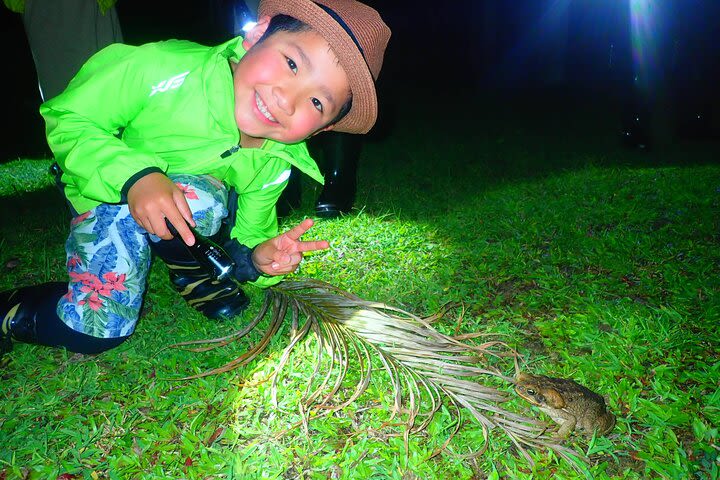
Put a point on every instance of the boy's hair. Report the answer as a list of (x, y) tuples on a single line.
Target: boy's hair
[(286, 23)]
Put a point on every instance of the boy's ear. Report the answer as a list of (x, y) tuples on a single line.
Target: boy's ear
[(324, 129), (252, 37)]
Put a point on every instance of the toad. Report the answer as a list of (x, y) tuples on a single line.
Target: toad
[(568, 403)]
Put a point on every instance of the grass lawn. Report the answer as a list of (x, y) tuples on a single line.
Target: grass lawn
[(594, 262)]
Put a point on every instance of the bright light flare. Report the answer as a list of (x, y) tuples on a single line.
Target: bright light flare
[(643, 36)]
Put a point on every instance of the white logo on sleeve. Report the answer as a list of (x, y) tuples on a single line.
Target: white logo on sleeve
[(283, 177), (169, 84)]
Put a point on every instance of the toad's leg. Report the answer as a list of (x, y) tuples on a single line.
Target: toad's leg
[(567, 427)]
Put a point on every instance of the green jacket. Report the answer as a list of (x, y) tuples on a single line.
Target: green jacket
[(166, 106)]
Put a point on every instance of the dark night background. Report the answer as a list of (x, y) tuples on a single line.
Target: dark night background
[(571, 50)]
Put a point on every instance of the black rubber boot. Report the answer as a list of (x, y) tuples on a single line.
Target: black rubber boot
[(341, 155), (216, 299), (21, 308)]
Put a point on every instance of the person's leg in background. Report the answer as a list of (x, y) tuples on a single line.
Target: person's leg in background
[(63, 34), (337, 155), (341, 154)]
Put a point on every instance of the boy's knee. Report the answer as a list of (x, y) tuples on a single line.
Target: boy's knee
[(207, 199)]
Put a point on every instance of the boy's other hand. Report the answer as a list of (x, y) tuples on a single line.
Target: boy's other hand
[(154, 198), (282, 255)]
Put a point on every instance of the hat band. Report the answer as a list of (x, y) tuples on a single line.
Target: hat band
[(344, 26)]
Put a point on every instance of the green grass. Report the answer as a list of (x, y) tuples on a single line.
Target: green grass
[(597, 263)]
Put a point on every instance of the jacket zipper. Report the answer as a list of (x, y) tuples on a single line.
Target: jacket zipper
[(230, 151)]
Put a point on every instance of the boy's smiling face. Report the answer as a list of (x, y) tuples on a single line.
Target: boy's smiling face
[(287, 87)]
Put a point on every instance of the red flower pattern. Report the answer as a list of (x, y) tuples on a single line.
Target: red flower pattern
[(115, 281), (91, 283), (74, 260), (188, 191), (94, 301), (79, 218)]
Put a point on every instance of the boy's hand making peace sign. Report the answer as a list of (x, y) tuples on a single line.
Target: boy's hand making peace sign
[(282, 254)]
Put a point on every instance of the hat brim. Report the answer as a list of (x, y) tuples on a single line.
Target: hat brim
[(363, 114)]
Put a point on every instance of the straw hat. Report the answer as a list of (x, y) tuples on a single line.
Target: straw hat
[(358, 36)]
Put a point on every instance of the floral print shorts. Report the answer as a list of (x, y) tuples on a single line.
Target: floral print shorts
[(108, 259)]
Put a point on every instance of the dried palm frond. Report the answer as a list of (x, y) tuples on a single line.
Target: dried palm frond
[(426, 368)]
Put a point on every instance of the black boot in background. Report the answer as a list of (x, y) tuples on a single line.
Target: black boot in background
[(341, 153), (216, 299)]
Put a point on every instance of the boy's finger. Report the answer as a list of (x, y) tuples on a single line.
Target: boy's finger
[(179, 227), (299, 230), (157, 227), (312, 246), (184, 208)]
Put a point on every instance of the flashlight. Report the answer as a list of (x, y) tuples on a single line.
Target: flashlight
[(211, 256), (244, 18)]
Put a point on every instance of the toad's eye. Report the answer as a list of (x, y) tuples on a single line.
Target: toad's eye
[(291, 63), (530, 391), (318, 104)]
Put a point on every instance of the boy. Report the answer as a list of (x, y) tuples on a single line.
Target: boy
[(178, 133)]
